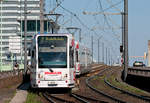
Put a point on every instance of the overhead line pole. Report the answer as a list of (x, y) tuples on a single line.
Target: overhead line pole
[(80, 38), (98, 51), (41, 17), (1, 37), (25, 37), (122, 14), (106, 55), (125, 39), (103, 51), (21, 31), (109, 56), (92, 48)]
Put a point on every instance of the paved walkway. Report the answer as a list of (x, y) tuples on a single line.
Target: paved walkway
[(21, 94)]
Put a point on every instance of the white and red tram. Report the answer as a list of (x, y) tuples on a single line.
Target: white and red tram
[(83, 59), (52, 61)]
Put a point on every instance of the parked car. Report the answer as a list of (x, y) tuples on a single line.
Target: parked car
[(116, 64), (138, 64)]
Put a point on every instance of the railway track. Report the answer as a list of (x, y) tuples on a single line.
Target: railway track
[(90, 100), (101, 92), (77, 97), (115, 93), (141, 97), (86, 92), (91, 94), (70, 98)]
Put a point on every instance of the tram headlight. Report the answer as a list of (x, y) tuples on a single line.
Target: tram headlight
[(65, 76), (40, 75)]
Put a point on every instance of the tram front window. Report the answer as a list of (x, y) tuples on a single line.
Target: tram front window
[(52, 52)]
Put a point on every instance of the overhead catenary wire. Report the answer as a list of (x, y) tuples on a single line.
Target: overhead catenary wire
[(113, 5), (80, 21), (110, 2), (57, 5), (106, 19)]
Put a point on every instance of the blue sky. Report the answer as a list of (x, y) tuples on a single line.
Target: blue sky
[(138, 24)]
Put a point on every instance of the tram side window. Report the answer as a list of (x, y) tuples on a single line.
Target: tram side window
[(71, 52)]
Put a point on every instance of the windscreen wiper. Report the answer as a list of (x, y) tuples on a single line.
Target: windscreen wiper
[(50, 70)]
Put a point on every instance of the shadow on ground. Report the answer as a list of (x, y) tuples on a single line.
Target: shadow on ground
[(139, 82)]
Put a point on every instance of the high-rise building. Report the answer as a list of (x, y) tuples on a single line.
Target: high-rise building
[(12, 27)]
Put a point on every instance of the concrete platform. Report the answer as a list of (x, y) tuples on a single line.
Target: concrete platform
[(21, 94)]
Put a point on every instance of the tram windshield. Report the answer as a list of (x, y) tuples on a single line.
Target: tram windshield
[(52, 51)]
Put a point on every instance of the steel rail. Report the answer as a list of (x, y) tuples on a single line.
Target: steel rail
[(92, 99), (101, 92), (79, 98), (76, 96), (126, 92), (50, 96), (47, 97)]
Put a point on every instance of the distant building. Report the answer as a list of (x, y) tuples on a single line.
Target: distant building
[(148, 53), (11, 30)]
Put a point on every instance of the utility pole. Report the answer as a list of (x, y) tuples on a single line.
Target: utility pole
[(111, 60), (25, 38), (1, 37), (80, 35), (98, 50), (41, 17), (106, 55), (109, 56), (103, 52), (21, 31), (122, 14), (125, 40), (122, 49), (92, 48)]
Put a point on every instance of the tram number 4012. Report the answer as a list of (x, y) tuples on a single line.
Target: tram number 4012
[(51, 82)]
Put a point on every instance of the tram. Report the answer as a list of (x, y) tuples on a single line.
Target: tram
[(52, 61), (83, 59)]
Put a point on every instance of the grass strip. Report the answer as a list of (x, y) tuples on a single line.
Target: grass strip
[(116, 83), (32, 98)]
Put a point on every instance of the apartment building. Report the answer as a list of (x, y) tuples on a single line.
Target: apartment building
[(12, 27)]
